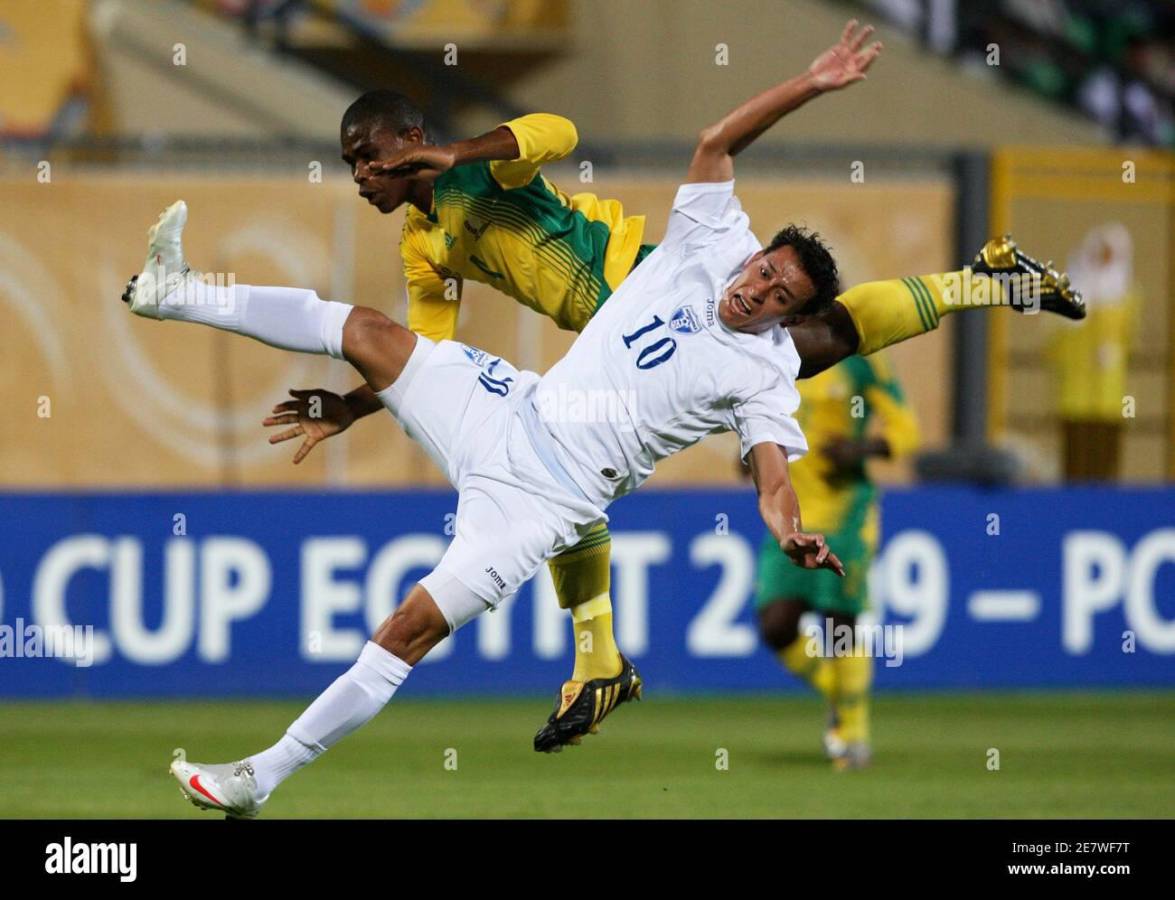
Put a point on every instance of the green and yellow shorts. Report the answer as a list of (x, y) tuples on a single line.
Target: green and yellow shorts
[(778, 578)]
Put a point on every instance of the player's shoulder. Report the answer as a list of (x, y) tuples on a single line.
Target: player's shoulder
[(784, 358), (471, 180), (413, 235), (771, 356), (415, 222)]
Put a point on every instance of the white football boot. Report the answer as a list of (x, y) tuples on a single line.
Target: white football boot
[(834, 745), (229, 788), (165, 270), (857, 755)]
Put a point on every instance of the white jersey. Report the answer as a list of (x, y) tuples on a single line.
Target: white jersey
[(656, 370)]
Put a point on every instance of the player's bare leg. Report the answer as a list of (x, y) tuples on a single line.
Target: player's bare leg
[(876, 314), (414, 628)]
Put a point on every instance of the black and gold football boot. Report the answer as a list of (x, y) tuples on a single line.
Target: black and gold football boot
[(1031, 285), (581, 706)]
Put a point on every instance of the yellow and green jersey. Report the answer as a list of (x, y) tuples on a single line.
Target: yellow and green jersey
[(842, 402), (504, 224)]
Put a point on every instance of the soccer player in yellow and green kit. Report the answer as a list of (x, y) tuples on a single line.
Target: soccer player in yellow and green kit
[(482, 210), (838, 408)]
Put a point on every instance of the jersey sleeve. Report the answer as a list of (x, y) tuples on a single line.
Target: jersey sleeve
[(705, 211), (767, 416), (884, 396), (542, 138), (433, 301)]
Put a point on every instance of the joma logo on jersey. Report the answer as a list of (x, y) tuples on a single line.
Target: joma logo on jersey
[(685, 320), (498, 579)]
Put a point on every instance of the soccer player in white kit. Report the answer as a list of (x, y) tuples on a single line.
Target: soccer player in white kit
[(689, 345)]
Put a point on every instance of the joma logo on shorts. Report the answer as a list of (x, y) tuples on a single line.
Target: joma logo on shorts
[(492, 572)]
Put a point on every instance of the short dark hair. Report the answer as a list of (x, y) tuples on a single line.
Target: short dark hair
[(386, 109), (816, 261)]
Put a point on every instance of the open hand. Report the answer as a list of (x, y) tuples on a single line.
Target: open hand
[(845, 62), (425, 161), (315, 415)]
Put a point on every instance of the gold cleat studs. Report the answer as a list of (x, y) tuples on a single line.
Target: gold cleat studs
[(999, 253)]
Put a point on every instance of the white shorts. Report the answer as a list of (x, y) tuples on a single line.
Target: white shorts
[(468, 410)]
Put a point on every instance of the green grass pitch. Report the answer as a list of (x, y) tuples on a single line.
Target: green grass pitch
[(1060, 755)]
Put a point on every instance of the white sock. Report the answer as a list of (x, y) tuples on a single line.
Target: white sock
[(287, 318), (349, 703), (273, 766)]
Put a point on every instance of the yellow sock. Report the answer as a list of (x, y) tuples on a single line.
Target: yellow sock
[(886, 312), (596, 653), (582, 578), (815, 670), (854, 678)]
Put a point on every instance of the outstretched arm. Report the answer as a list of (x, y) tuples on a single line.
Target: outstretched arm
[(518, 149), (839, 66), (427, 161), (780, 510)]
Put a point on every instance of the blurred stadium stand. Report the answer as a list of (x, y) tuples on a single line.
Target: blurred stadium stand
[(1113, 60), (45, 54)]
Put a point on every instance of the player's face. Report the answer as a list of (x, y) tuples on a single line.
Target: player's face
[(365, 144), (771, 287)]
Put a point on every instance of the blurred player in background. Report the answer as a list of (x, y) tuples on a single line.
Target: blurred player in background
[(480, 209), (839, 411), (1091, 359)]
